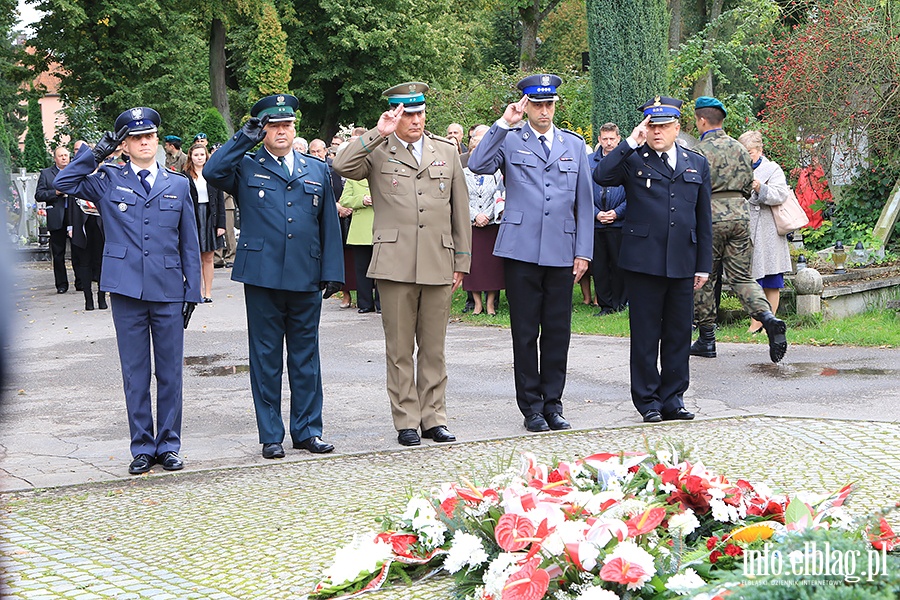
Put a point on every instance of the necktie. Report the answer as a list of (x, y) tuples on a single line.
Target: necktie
[(143, 174), (545, 146), (283, 162), (411, 149), (665, 159)]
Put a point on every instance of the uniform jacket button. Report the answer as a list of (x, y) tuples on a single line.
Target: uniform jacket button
[(289, 187), (421, 226), (290, 236), (291, 219), (146, 253), (290, 203)]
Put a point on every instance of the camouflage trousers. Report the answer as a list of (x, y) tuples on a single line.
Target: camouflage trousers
[(733, 251)]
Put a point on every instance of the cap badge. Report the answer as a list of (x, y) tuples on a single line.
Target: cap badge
[(137, 113), (657, 101), (545, 80), (280, 100), (412, 88)]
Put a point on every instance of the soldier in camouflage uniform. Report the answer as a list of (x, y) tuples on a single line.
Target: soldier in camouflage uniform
[(731, 174)]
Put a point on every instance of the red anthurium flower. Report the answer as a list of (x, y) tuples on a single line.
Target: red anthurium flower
[(886, 539), (543, 530), (449, 505), (400, 542), (670, 476), (530, 583), (619, 570), (513, 532), (646, 521)]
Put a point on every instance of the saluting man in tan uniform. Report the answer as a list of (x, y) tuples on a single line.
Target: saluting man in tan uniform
[(422, 248)]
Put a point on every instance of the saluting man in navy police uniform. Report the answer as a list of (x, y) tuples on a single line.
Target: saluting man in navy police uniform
[(290, 249), (666, 253), (546, 236), (151, 268)]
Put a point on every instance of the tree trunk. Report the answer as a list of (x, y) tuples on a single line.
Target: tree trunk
[(531, 20), (675, 24), (217, 88)]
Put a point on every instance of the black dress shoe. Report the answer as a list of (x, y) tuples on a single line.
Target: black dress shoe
[(219, 265), (557, 422), (314, 445), (62, 289), (652, 416), (679, 415), (363, 311), (408, 437), (439, 434), (101, 301), (229, 265), (170, 461), (140, 464), (273, 451), (536, 423)]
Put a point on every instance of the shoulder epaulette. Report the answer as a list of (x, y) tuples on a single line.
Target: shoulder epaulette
[(439, 138), (690, 150), (171, 172), (570, 132), (313, 156)]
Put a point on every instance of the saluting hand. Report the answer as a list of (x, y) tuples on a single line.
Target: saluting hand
[(255, 128), (387, 122), (515, 112), (639, 133)]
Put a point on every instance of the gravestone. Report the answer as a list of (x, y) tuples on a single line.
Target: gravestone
[(888, 219), (26, 184)]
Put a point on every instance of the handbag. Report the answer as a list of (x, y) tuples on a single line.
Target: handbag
[(789, 216)]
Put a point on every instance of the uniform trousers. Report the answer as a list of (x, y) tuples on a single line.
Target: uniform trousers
[(609, 282), (660, 310), (733, 256), (276, 317), (540, 304), (366, 293), (415, 315), (58, 240), (138, 322)]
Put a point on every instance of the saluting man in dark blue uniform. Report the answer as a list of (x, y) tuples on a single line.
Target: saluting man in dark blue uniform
[(151, 268), (290, 249), (666, 253)]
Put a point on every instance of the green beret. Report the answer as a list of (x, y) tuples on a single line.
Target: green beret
[(710, 102)]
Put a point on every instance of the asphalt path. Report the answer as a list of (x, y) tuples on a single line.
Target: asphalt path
[(63, 418)]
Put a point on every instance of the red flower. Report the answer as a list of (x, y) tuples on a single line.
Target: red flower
[(400, 542), (530, 583), (711, 542), (619, 570), (512, 532), (715, 556), (886, 540), (449, 506), (645, 522), (733, 550)]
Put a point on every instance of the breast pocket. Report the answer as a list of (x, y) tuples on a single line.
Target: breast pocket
[(396, 178), (123, 205), (568, 170), (695, 180), (314, 195), (261, 192), (169, 213), (440, 181), (525, 167)]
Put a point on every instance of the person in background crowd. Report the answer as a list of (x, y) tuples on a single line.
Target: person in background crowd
[(546, 240), (455, 133), (58, 221), (771, 253), (175, 158), (609, 211), (422, 240), (86, 236), (485, 209), (209, 206), (200, 138), (151, 267), (300, 145), (289, 251)]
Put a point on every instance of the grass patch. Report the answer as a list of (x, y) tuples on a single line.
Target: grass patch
[(875, 328)]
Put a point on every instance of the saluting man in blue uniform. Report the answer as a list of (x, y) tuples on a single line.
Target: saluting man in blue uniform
[(290, 250), (151, 268), (546, 238), (666, 253)]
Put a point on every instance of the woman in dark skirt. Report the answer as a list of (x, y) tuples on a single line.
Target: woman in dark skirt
[(209, 205), (485, 208)]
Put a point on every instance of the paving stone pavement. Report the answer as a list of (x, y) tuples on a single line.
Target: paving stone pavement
[(266, 532)]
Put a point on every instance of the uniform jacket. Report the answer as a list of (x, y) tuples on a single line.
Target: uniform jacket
[(607, 197), (731, 175), (421, 232), (668, 228), (549, 213), (152, 250), (215, 214), (290, 237), (360, 233), (56, 203)]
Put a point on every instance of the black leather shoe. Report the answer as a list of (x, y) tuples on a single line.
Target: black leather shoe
[(140, 464), (556, 422), (408, 437), (219, 265), (679, 415), (314, 445), (652, 416), (363, 311), (536, 423), (439, 434), (170, 461), (62, 289), (101, 301), (273, 451)]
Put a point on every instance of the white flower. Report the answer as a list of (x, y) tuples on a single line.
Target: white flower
[(498, 572), (667, 488), (364, 554), (597, 593), (716, 493), (683, 524), (466, 550), (587, 555), (684, 583), (723, 512), (416, 507), (432, 534)]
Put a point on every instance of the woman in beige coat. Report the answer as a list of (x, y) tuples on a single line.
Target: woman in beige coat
[(771, 254)]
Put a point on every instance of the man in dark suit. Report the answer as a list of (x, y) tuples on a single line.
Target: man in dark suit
[(546, 238), (151, 267), (666, 253), (290, 249), (57, 218)]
